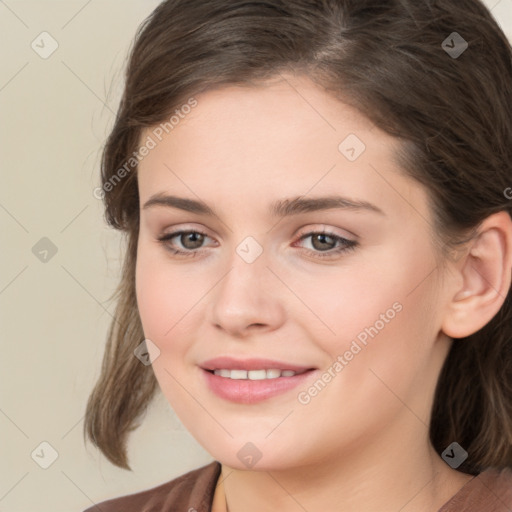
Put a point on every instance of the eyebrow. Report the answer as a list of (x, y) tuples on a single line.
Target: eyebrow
[(280, 208)]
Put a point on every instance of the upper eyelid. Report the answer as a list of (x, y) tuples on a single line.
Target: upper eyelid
[(329, 231), (180, 230), (301, 232)]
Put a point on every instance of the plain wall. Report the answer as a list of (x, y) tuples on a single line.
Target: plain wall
[(54, 308)]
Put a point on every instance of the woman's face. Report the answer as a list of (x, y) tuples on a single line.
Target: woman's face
[(258, 280)]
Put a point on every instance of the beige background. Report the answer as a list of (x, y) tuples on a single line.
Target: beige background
[(55, 113)]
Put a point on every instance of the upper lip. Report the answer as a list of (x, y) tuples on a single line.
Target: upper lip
[(230, 363)]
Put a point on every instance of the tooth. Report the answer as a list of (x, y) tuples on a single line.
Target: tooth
[(238, 374), (272, 373), (257, 374), (223, 373)]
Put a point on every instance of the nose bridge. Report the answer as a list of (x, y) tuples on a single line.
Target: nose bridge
[(248, 271), (246, 295)]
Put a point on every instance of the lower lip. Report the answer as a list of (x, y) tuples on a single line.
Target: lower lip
[(246, 391)]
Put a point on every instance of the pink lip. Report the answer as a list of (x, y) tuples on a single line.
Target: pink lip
[(245, 391), (230, 363)]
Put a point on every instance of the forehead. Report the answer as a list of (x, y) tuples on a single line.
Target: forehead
[(285, 110), (257, 141)]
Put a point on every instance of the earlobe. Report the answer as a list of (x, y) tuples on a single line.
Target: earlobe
[(485, 272)]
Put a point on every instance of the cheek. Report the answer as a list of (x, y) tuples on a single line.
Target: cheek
[(163, 297), (342, 303), (171, 300), (381, 314), (152, 297)]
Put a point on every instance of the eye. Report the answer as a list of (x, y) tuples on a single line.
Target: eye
[(324, 242), (191, 242)]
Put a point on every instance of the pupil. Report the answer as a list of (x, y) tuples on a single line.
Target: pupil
[(190, 237), (322, 240)]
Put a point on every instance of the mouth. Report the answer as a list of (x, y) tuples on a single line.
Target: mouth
[(254, 380)]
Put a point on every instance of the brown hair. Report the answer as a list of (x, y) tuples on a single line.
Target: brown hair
[(386, 58)]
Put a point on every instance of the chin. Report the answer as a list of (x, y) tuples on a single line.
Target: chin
[(248, 456)]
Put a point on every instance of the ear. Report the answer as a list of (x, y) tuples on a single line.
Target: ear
[(485, 273)]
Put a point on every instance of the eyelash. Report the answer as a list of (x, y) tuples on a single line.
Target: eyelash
[(348, 245)]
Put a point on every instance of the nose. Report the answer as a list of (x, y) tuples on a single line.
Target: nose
[(247, 299)]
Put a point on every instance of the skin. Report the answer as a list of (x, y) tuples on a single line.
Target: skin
[(362, 443)]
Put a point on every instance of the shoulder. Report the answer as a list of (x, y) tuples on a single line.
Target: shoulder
[(489, 491), (190, 492)]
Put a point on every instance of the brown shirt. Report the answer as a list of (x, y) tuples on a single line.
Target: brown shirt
[(490, 491)]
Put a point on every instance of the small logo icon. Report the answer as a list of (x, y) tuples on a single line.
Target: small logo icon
[(351, 147), (44, 455), (44, 45), (249, 249), (249, 455), (454, 455), (147, 352), (44, 250), (454, 45)]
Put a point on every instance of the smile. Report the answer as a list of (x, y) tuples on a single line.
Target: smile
[(271, 373)]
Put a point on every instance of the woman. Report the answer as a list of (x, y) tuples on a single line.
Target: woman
[(319, 255)]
